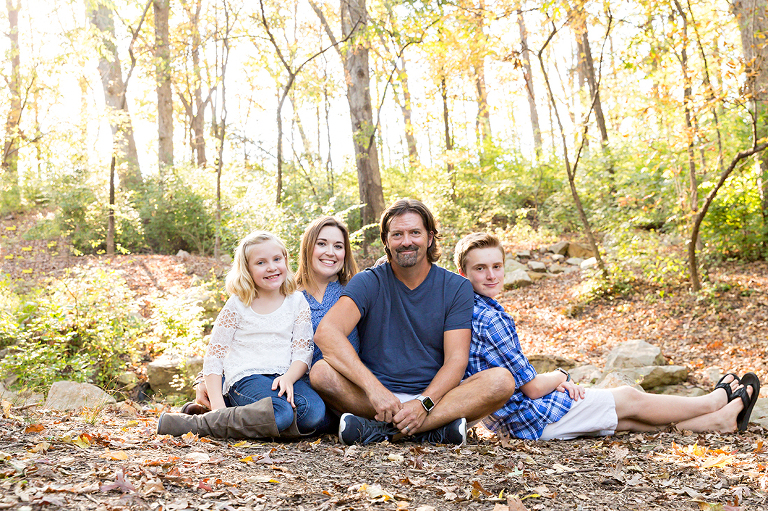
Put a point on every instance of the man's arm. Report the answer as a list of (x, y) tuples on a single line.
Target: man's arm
[(546, 383), (331, 338), (456, 356)]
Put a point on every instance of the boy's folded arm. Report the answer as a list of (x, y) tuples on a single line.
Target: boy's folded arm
[(542, 384)]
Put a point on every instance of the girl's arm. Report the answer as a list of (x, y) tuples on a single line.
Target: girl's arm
[(285, 382), (227, 323), (213, 384)]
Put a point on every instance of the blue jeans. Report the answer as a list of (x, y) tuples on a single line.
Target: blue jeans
[(310, 408)]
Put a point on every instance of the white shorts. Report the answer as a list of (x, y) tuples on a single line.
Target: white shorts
[(595, 415), (404, 397)]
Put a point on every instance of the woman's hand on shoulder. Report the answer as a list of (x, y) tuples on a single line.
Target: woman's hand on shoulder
[(575, 391)]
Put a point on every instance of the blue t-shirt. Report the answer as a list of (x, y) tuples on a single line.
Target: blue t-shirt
[(320, 309), (401, 329)]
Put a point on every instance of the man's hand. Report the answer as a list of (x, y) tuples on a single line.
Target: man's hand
[(385, 403), (410, 417), (575, 391), (201, 394)]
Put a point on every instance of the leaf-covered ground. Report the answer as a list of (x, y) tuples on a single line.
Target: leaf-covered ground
[(112, 459)]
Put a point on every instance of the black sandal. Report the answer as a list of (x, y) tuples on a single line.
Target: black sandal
[(727, 386), (748, 380)]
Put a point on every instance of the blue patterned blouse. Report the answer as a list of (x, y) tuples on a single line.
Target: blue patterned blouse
[(319, 309)]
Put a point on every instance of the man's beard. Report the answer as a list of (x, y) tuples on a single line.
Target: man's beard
[(407, 260)]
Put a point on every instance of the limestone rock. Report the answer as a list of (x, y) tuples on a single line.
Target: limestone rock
[(517, 278), (128, 380), (650, 377), (182, 254), (557, 268), (574, 261), (680, 390), (225, 258), (588, 263), (24, 398), (523, 254), (561, 247), (587, 374), (546, 363), (537, 266), (70, 395), (558, 257), (162, 371), (617, 379), (511, 265), (536, 276), (634, 353), (760, 413), (580, 251)]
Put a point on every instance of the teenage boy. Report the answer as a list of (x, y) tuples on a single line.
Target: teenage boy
[(549, 406)]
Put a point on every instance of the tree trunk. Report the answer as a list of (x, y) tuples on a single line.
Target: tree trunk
[(693, 185), (127, 160), (528, 76), (483, 122), (448, 140), (11, 196), (405, 108), (752, 17), (162, 10), (588, 67), (354, 17)]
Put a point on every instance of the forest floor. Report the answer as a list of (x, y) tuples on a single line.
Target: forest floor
[(112, 459)]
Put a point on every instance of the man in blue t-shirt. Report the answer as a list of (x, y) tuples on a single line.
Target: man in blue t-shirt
[(414, 321)]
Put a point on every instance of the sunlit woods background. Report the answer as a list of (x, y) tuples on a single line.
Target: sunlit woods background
[(223, 116)]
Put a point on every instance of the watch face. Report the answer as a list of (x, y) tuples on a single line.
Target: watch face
[(428, 403)]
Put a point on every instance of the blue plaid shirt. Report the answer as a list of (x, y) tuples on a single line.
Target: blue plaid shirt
[(495, 344)]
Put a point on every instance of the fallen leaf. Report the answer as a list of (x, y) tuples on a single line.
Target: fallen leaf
[(476, 486), (32, 428), (197, 457), (515, 504), (119, 484), (40, 448), (375, 493), (115, 455)]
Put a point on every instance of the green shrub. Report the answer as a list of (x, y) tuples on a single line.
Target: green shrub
[(82, 327)]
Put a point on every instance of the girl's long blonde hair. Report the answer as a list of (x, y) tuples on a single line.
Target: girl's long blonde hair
[(305, 277), (239, 281)]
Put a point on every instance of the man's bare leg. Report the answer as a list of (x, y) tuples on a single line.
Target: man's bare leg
[(338, 392), (478, 396)]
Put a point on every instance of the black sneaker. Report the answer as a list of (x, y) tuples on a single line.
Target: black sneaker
[(357, 430), (452, 433)]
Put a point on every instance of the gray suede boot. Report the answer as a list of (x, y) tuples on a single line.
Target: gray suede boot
[(256, 420)]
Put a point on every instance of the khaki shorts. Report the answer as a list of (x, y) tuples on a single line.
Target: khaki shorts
[(595, 415)]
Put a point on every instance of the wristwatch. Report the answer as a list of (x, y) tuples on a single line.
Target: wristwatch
[(566, 373), (426, 402)]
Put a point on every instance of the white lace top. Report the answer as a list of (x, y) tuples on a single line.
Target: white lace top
[(245, 343)]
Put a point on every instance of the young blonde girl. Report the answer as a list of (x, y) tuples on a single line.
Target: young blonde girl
[(260, 348)]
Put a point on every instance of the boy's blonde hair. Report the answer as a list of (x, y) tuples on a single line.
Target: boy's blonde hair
[(471, 242), (305, 277), (239, 281)]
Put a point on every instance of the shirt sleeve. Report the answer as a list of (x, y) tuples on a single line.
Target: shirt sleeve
[(302, 346), (501, 348), (459, 314), (360, 289), (222, 335)]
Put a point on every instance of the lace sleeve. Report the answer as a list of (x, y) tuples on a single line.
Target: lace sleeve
[(302, 346), (227, 323)]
